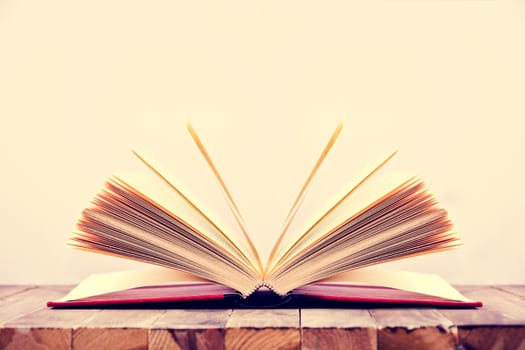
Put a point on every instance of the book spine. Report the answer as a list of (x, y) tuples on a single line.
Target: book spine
[(262, 285)]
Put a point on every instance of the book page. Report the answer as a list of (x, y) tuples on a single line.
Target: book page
[(322, 211), (369, 192), (174, 203), (102, 283), (429, 284), (266, 172), (219, 225), (277, 248), (395, 224), (124, 221), (229, 199)]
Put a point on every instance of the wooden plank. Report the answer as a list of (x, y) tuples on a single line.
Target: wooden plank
[(35, 338), (406, 328), (26, 301), (44, 328), (506, 303), (499, 324), (17, 305), (337, 329), (7, 290), (122, 318), (115, 329), (491, 313), (169, 339), (192, 319), (479, 317), (189, 329), (53, 318), (263, 329), (485, 337), (110, 338), (45, 317), (513, 289)]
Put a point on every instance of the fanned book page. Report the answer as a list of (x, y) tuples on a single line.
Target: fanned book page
[(320, 254)]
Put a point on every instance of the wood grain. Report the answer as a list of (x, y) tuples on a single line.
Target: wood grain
[(413, 329), (337, 329), (513, 289), (169, 339), (493, 313), (115, 329), (44, 329), (28, 300), (35, 338), (492, 338), (189, 329), (499, 324), (110, 338), (263, 329), (7, 290), (20, 301), (508, 304)]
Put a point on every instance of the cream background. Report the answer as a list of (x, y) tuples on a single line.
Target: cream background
[(264, 83)]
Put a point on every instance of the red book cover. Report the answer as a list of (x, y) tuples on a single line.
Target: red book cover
[(213, 295)]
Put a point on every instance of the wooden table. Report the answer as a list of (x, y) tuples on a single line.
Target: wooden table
[(25, 323)]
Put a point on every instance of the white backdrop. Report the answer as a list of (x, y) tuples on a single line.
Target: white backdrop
[(264, 82)]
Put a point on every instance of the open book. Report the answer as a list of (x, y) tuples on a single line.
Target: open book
[(380, 218)]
